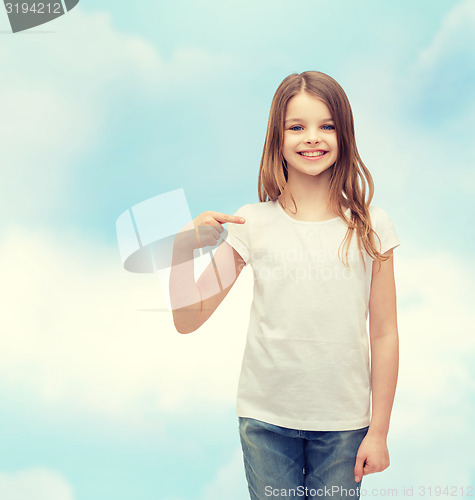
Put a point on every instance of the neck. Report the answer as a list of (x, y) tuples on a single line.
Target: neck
[(311, 193)]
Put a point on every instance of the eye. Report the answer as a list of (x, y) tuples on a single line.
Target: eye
[(299, 126)]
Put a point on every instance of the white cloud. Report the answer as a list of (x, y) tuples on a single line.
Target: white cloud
[(431, 436), (77, 336), (52, 101), (58, 99), (456, 35), (229, 482), (467, 181), (439, 83), (38, 483), (79, 333)]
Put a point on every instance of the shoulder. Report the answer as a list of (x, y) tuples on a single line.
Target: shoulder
[(255, 209), (383, 225), (376, 210), (378, 215)]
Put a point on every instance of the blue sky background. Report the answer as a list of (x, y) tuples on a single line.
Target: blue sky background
[(107, 106)]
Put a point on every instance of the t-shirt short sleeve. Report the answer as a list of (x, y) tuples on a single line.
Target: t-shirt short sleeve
[(238, 234), (384, 228)]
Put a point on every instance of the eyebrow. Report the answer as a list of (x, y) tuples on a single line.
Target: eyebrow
[(302, 120)]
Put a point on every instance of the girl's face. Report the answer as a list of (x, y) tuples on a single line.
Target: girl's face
[(309, 127)]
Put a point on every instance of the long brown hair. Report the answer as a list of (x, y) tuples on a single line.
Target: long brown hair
[(346, 171)]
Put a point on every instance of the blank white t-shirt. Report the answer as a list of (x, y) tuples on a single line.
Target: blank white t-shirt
[(306, 361)]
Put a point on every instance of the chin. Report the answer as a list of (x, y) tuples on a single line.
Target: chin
[(314, 168)]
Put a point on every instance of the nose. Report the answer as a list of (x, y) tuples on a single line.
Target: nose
[(312, 137)]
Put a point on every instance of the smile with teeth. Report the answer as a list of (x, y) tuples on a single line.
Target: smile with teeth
[(313, 153)]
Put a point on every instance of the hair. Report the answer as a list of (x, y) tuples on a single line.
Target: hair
[(346, 172)]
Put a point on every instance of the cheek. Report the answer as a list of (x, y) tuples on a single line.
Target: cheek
[(334, 143), (290, 142), (287, 145)]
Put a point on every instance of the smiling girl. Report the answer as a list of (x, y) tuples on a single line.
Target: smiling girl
[(306, 422)]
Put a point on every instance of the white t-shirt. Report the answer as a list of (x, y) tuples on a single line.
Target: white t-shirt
[(306, 361)]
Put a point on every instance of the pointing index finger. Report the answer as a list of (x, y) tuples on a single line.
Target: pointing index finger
[(224, 218)]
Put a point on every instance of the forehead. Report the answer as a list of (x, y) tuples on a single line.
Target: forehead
[(304, 105)]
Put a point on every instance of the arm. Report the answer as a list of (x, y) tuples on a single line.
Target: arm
[(384, 346), (185, 297), (193, 303), (373, 454)]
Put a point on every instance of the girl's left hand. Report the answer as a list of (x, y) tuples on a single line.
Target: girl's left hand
[(372, 456)]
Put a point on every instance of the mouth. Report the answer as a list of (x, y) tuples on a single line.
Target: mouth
[(312, 155)]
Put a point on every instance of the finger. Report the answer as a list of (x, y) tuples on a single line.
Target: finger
[(359, 468), (224, 218)]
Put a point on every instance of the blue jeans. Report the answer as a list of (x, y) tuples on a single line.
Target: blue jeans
[(293, 464)]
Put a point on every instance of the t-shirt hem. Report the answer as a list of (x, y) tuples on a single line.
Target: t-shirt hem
[(390, 245), (305, 425)]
